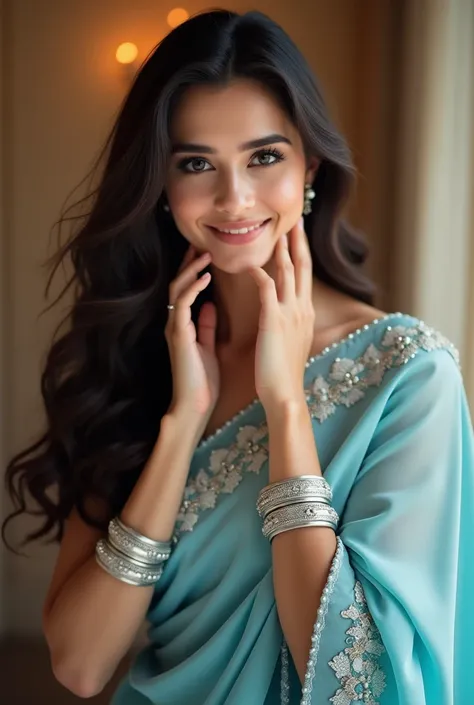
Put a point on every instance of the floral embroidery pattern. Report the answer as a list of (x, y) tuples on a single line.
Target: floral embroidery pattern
[(346, 383), (357, 666), (226, 466), (348, 380)]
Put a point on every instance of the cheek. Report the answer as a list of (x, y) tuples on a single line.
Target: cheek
[(287, 198), (185, 197), (188, 202), (286, 191)]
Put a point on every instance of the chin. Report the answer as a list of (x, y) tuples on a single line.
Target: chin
[(242, 258)]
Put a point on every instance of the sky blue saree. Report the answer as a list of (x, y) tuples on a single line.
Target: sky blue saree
[(395, 623)]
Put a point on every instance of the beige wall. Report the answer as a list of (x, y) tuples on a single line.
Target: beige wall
[(434, 227), (63, 90)]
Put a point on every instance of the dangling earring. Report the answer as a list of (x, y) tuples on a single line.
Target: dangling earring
[(309, 194), (164, 202)]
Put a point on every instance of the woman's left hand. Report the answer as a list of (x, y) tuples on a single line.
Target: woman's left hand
[(286, 322)]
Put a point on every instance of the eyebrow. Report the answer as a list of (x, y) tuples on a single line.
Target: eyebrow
[(252, 144)]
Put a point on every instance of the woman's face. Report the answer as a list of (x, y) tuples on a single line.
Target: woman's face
[(218, 180)]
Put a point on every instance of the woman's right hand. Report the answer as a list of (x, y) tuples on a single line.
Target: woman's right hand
[(194, 364)]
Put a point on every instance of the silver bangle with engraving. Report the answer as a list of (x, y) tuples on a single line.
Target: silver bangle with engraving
[(293, 490), (135, 546), (298, 516), (125, 569)]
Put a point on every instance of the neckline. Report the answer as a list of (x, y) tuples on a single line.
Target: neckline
[(319, 356)]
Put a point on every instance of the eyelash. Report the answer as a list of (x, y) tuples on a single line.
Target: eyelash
[(273, 151)]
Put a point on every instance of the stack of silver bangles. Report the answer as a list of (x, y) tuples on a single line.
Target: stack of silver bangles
[(296, 503), (131, 557)]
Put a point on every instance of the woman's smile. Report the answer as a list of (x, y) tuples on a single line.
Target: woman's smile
[(229, 183), (239, 234)]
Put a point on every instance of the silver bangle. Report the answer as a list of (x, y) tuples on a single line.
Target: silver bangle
[(123, 568), (298, 516), (279, 503), (294, 489), (135, 546), (303, 525)]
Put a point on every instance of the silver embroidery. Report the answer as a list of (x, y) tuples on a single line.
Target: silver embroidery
[(357, 667), (248, 453), (320, 623), (346, 383), (285, 677), (348, 380)]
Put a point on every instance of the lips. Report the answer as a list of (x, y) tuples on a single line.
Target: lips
[(240, 238)]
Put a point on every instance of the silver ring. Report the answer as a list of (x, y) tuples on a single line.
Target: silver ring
[(170, 307)]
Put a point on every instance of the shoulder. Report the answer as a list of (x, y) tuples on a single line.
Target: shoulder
[(388, 349), (401, 336), (404, 338), (390, 340), (390, 358), (417, 356)]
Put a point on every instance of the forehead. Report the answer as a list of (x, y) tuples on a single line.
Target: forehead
[(242, 110)]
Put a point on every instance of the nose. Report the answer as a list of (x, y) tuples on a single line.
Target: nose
[(234, 194)]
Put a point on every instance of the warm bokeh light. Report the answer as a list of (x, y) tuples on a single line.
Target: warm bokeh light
[(177, 16), (126, 53)]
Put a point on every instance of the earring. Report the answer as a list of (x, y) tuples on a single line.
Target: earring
[(166, 208), (309, 194)]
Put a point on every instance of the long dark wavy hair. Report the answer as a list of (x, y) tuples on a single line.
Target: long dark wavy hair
[(107, 381)]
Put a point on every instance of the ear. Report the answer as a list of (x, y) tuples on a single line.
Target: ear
[(312, 169)]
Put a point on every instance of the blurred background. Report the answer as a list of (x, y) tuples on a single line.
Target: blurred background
[(399, 78)]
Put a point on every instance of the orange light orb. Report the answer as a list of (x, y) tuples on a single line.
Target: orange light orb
[(177, 17), (126, 53)]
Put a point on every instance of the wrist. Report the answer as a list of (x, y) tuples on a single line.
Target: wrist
[(287, 410), (292, 448), (186, 427)]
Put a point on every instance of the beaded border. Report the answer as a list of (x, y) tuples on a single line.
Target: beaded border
[(338, 343), (315, 638)]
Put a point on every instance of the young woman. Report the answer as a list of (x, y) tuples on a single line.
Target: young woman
[(273, 472)]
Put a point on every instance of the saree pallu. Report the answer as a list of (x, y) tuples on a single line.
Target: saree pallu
[(395, 443)]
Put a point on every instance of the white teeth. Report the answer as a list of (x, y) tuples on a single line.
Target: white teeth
[(241, 231)]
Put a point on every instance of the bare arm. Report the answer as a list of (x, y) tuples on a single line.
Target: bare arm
[(90, 619), (302, 558)]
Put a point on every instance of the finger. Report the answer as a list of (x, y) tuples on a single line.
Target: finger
[(268, 296), (207, 323), (182, 311), (188, 257), (187, 276), (302, 260), (286, 271)]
